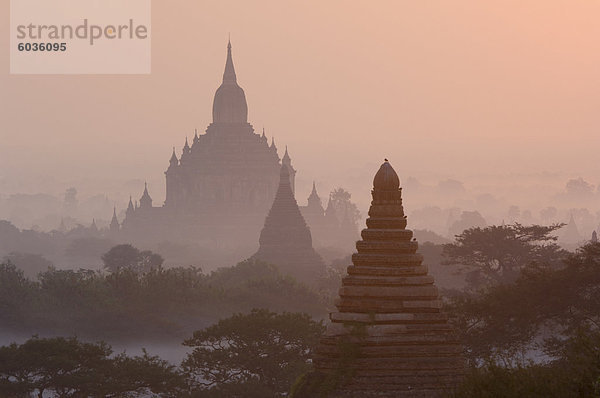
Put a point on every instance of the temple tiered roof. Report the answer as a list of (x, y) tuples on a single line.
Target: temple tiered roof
[(285, 239), (389, 337)]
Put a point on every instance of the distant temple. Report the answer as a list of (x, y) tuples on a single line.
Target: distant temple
[(224, 182), (569, 234), (285, 239), (389, 337), (221, 187)]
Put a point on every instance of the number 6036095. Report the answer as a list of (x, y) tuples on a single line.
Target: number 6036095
[(42, 46)]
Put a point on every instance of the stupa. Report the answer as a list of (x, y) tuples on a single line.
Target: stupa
[(389, 337), (285, 239)]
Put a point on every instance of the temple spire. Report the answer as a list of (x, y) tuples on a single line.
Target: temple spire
[(229, 104), (130, 206), (174, 161), (114, 223), (285, 239), (145, 200), (286, 158), (314, 201), (229, 74)]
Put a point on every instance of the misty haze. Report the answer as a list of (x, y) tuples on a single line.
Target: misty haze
[(336, 199)]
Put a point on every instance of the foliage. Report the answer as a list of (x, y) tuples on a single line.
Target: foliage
[(575, 372), (31, 264), (128, 257), (468, 219), (159, 303), (498, 254), (70, 368), (242, 352), (345, 209), (508, 318)]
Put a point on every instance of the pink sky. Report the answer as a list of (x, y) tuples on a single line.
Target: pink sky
[(440, 88)]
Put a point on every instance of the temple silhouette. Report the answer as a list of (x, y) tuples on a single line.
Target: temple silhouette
[(221, 187), (285, 239), (389, 337)]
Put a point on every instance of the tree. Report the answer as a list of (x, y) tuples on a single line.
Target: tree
[(345, 209), (128, 257), (468, 219), (451, 187), (579, 188), (498, 254), (258, 354), (70, 368), (31, 264), (509, 318)]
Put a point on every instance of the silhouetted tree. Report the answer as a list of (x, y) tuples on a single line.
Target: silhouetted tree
[(258, 354), (506, 318), (31, 264), (345, 209), (498, 253), (468, 219), (579, 188), (128, 257), (70, 368)]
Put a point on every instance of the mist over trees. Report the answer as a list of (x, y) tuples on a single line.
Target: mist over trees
[(519, 339)]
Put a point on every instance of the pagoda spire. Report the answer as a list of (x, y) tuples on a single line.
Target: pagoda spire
[(114, 223), (186, 147), (173, 161), (286, 157), (388, 313), (314, 201), (130, 205), (285, 239), (145, 200), (229, 104), (229, 74)]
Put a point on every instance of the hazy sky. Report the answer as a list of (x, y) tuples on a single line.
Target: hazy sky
[(450, 88)]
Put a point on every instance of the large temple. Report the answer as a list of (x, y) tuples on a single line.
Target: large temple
[(221, 186), (219, 190), (389, 337)]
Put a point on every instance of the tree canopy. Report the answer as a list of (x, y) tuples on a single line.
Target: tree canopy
[(498, 254), (258, 354), (69, 368), (128, 257)]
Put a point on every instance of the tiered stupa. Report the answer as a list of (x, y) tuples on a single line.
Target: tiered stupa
[(285, 239), (390, 337)]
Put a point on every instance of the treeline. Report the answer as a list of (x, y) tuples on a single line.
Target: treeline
[(254, 355), (530, 314), (156, 303)]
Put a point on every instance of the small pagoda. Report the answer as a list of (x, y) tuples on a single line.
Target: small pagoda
[(285, 240), (389, 337)]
